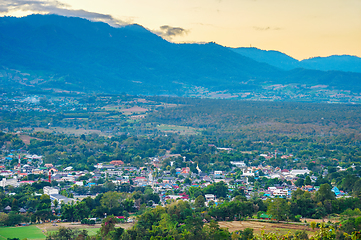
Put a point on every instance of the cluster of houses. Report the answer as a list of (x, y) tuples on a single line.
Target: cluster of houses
[(166, 184)]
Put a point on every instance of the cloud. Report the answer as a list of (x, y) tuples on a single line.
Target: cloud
[(55, 7), (170, 32), (266, 28)]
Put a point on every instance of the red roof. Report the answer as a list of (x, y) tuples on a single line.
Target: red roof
[(27, 181), (117, 162), (139, 178)]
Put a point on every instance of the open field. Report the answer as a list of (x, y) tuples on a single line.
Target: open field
[(26, 139), (258, 227), (39, 231), (180, 129), (48, 227), (29, 232), (135, 109), (69, 131)]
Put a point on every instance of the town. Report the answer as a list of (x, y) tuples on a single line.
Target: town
[(167, 184)]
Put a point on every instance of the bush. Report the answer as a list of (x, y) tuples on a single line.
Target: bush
[(88, 221)]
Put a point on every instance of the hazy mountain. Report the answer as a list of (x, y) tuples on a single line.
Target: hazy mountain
[(344, 63), (129, 58), (49, 51), (273, 58)]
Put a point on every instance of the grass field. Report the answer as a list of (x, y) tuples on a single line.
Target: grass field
[(69, 131), (29, 232), (180, 129)]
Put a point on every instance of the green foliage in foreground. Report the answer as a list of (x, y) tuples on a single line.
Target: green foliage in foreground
[(211, 230)]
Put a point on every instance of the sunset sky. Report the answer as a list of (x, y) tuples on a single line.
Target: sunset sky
[(299, 28)]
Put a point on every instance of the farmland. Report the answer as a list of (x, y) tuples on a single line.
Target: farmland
[(266, 227)]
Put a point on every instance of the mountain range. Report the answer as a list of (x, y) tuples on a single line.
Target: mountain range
[(278, 59), (52, 52)]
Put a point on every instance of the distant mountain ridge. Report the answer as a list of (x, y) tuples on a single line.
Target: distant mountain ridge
[(278, 59), (56, 52)]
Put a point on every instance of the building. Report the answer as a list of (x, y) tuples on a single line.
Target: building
[(9, 182), (280, 192), (296, 172), (50, 190), (210, 197), (239, 164), (61, 199), (117, 162)]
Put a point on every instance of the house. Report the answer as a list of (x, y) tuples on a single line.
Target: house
[(207, 179), (37, 171), (265, 216), (173, 197), (280, 192), (337, 192), (121, 218), (117, 162), (210, 197), (248, 173)]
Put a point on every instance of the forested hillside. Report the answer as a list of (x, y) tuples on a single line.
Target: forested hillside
[(53, 53)]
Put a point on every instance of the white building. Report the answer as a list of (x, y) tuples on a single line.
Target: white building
[(6, 182), (239, 164), (50, 190), (248, 173), (296, 172), (280, 192), (210, 197)]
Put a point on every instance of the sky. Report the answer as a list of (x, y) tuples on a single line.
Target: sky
[(300, 28)]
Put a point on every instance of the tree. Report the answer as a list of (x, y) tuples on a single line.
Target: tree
[(187, 181), (68, 212), (3, 217), (108, 226), (247, 234), (13, 219), (215, 232), (194, 225), (67, 233), (111, 202), (299, 182), (301, 235), (199, 202), (313, 225), (279, 209), (307, 181), (325, 193)]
